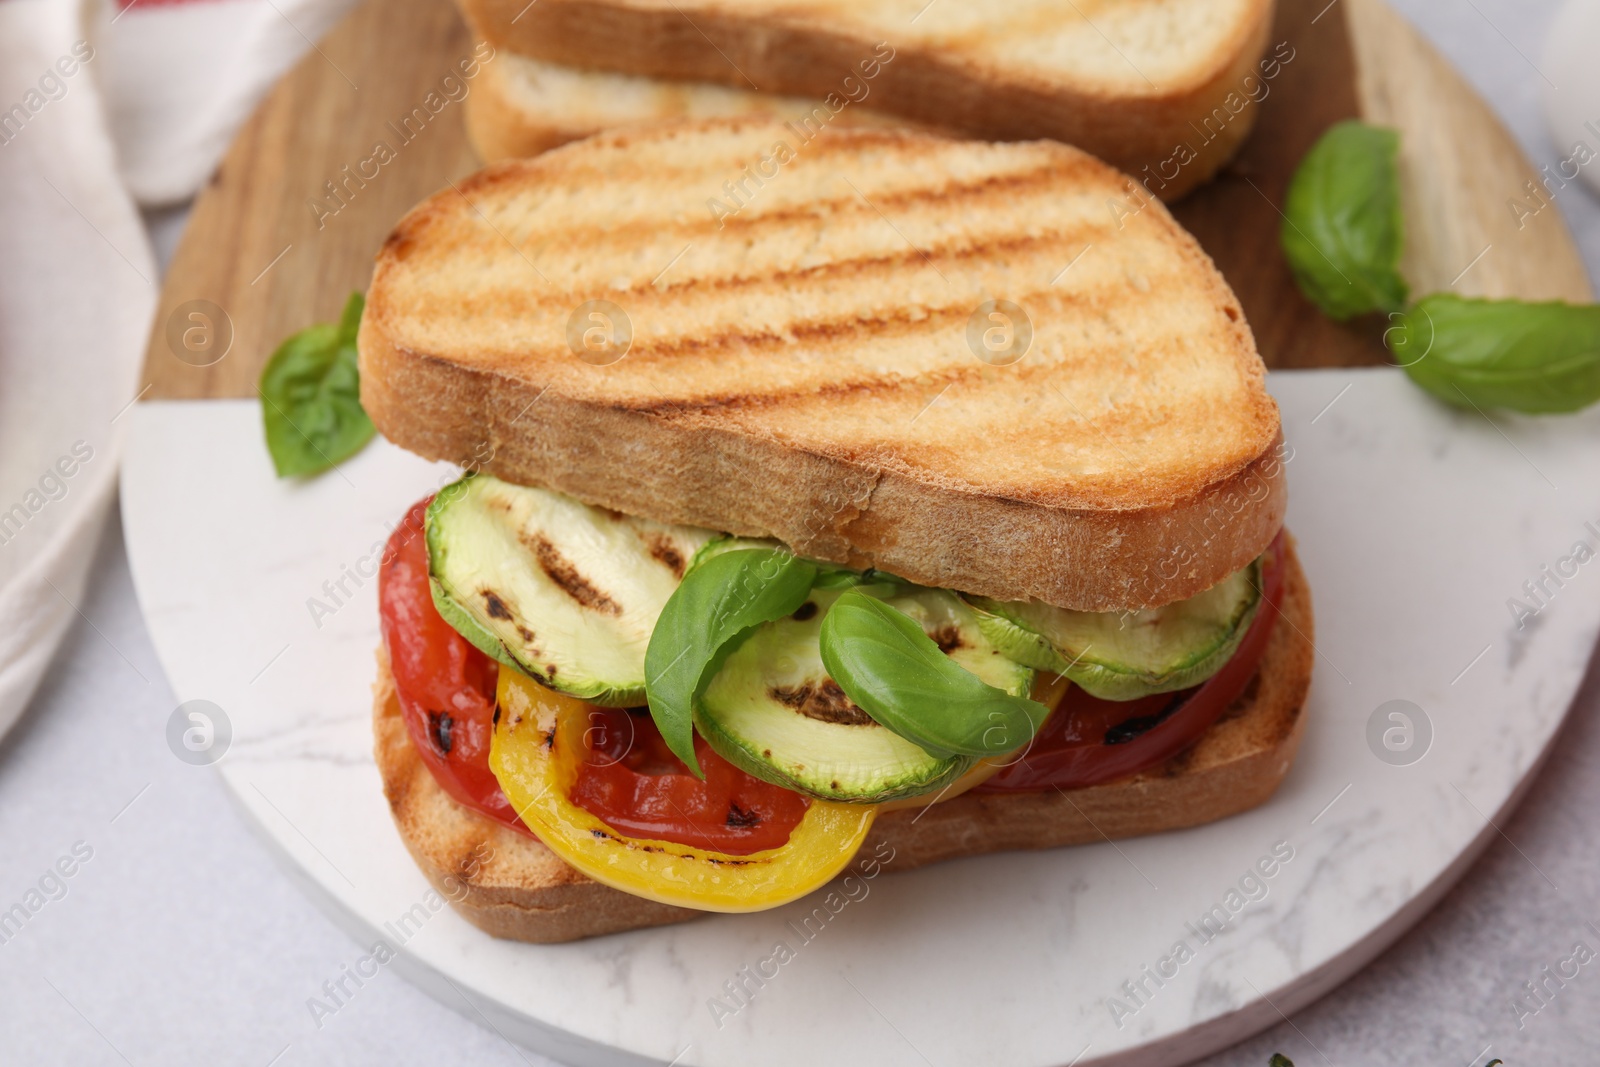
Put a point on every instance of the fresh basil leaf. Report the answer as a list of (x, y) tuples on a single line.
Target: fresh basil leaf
[(833, 576), (1535, 358), (1280, 1060), (837, 578), (311, 397), (829, 575), (1342, 230), (716, 606), (894, 672)]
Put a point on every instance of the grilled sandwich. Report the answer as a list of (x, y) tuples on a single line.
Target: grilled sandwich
[(868, 497), (1162, 89)]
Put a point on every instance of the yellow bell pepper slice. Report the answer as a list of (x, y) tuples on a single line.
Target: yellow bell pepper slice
[(535, 754)]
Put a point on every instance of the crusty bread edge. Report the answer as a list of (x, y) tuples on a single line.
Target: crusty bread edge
[(511, 886), (794, 55), (824, 507), (500, 128)]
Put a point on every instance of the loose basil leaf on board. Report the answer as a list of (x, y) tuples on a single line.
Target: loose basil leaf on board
[(1342, 230), (717, 605), (894, 672), (1534, 358), (311, 397)]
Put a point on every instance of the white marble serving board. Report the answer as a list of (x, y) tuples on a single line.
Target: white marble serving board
[(1416, 525)]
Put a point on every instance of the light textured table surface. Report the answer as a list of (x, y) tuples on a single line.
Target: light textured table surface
[(180, 942)]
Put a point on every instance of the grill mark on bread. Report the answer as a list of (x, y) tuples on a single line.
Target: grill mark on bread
[(815, 331), (957, 250), (813, 340), (825, 703), (1020, 166), (846, 210), (469, 864), (861, 272), (560, 570), (715, 298), (943, 197), (924, 386), (885, 267), (813, 336)]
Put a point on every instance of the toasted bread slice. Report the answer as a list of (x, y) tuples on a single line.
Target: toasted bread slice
[(1145, 86), (520, 107), (524, 892), (827, 364)]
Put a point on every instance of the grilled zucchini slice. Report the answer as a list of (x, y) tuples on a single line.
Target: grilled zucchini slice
[(1124, 656), (773, 711), (562, 591)]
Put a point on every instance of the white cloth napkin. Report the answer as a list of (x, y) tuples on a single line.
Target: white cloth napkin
[(103, 106), (76, 297), (181, 75)]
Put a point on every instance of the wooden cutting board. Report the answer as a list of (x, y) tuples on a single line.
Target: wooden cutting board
[(267, 251)]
